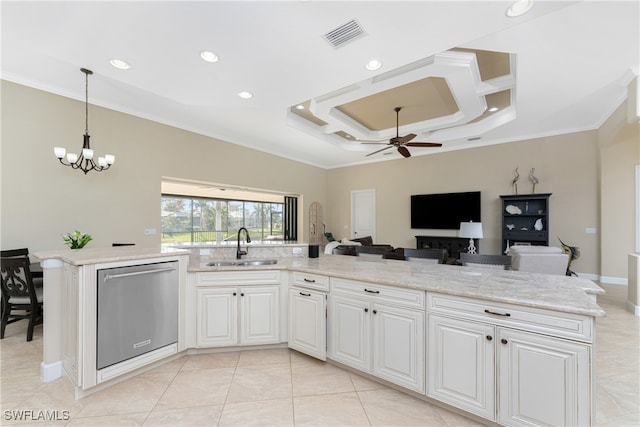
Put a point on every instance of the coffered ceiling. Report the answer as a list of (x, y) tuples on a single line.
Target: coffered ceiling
[(464, 73)]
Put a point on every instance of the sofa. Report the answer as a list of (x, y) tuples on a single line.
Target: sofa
[(348, 247), (539, 259)]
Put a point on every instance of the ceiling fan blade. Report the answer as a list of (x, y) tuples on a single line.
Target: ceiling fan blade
[(382, 149), (424, 144), (404, 151), (374, 143)]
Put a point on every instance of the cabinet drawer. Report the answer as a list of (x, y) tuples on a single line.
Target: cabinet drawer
[(565, 325), (379, 293), (311, 281), (525, 235), (249, 277)]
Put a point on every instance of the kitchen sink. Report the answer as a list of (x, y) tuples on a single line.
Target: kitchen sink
[(243, 263)]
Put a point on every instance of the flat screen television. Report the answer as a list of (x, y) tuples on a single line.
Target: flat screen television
[(444, 211)]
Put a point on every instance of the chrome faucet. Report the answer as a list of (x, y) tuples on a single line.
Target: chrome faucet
[(239, 253)]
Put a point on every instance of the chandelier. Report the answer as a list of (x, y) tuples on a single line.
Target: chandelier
[(85, 161)]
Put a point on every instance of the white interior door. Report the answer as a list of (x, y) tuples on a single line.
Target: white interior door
[(363, 214)]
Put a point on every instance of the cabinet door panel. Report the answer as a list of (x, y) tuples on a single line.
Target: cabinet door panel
[(217, 317), (260, 315), (350, 333), (543, 381), (307, 323), (461, 360), (70, 324), (398, 336)]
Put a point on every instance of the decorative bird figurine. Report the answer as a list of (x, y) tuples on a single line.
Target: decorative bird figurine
[(533, 180), (574, 253), (515, 181)]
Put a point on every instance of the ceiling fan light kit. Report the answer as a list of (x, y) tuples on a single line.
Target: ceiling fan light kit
[(402, 142)]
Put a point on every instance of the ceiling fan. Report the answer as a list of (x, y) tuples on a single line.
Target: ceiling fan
[(402, 142)]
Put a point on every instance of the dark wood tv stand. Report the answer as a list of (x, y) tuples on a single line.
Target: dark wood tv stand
[(454, 245)]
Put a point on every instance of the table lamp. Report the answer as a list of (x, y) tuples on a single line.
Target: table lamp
[(472, 230)]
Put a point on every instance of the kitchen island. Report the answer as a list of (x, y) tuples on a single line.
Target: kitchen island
[(475, 339), (70, 318), (561, 293)]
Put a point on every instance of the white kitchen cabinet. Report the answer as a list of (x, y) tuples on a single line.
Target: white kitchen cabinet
[(217, 317), (398, 345), (350, 332), (233, 315), (259, 315), (542, 380), (307, 322), (377, 334), (461, 364), (480, 353)]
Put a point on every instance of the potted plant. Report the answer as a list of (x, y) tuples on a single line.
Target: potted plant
[(76, 240)]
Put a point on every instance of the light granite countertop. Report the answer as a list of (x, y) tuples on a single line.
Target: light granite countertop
[(559, 293), (86, 256)]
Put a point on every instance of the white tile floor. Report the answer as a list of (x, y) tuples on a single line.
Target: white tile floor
[(282, 387)]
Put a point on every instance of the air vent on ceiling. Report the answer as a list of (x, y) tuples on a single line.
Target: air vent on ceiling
[(474, 138), (344, 34)]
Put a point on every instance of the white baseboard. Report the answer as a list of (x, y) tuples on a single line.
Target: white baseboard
[(609, 280), (595, 277), (50, 372), (635, 309), (614, 280)]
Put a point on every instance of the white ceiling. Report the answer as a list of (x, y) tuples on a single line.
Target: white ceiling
[(573, 61)]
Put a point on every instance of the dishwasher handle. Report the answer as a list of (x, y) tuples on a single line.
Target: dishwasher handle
[(137, 273)]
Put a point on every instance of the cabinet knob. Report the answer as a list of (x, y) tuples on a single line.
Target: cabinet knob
[(366, 310), (375, 311), (504, 341), (489, 338), (234, 294), (242, 294)]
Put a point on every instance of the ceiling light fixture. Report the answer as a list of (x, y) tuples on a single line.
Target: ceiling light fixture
[(373, 65), (85, 162), (120, 64), (519, 8), (209, 56), (299, 107), (245, 95), (493, 109)]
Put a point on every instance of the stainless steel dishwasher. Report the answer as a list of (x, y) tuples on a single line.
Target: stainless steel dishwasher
[(137, 310)]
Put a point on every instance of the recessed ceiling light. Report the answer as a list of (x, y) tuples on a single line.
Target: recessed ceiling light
[(493, 109), (373, 65), (245, 95), (519, 8), (299, 107), (209, 56), (120, 64)]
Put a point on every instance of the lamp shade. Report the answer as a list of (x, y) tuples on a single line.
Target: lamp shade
[(471, 230)]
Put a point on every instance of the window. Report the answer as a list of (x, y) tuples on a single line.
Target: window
[(197, 219)]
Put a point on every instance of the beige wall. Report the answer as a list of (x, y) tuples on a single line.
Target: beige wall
[(619, 145), (566, 166), (42, 199)]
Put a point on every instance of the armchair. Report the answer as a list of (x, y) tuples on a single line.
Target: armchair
[(539, 259)]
